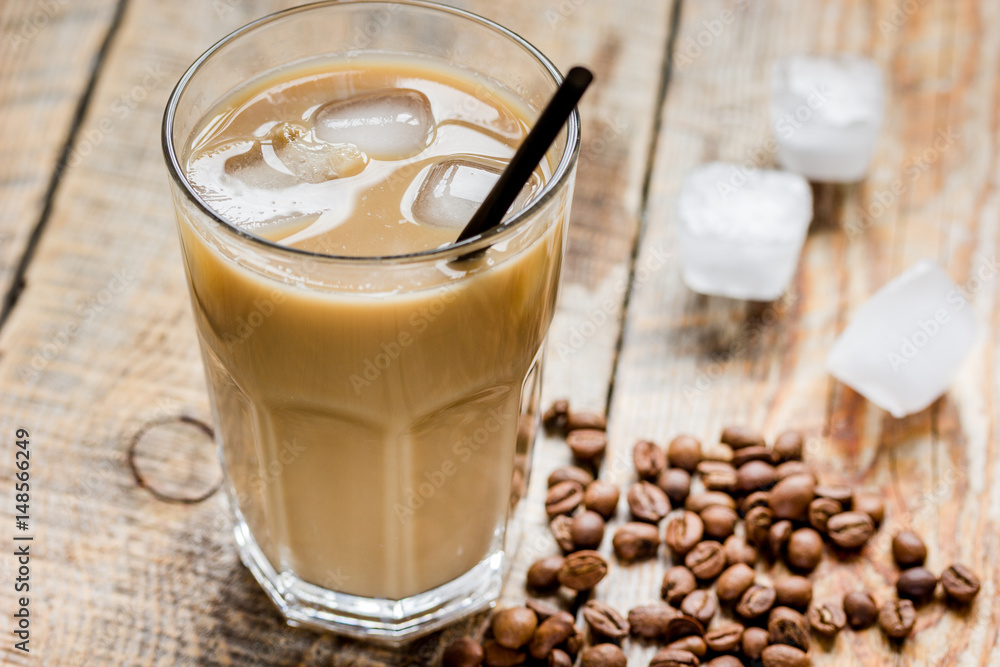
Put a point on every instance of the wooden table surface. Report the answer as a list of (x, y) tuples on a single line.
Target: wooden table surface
[(98, 350)]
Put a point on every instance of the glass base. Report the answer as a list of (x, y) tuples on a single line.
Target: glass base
[(389, 621)]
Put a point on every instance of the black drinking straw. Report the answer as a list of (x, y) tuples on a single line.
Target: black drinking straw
[(531, 151)]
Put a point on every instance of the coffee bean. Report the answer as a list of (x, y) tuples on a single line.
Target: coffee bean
[(787, 626), (850, 530), (550, 633), (908, 549), (754, 641), (700, 604), (897, 618), (676, 483), (563, 498), (463, 652), (543, 575), (636, 541), (755, 601), (734, 581), (582, 570), (860, 610), (758, 525), (738, 437), (753, 476), (560, 658), (787, 447), (706, 560), (683, 531), (805, 549), (960, 583), (754, 453), (777, 537), (717, 476), (583, 419), (513, 627), (842, 494), (782, 655), (587, 530), (724, 661), (827, 618), (719, 452), (789, 468), (820, 511), (719, 521), (870, 504), (601, 497), (916, 584), (497, 655), (671, 657), (678, 582), (587, 444), (647, 502), (649, 459), (561, 528), (554, 418), (791, 496), (697, 502), (793, 591), (543, 610), (683, 625), (603, 655), (755, 499), (573, 643), (725, 638), (650, 621), (738, 551), (570, 474), (605, 622), (684, 452)]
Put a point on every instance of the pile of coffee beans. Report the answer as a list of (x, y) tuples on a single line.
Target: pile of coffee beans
[(718, 511)]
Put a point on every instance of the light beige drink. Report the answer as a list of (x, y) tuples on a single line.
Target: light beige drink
[(368, 416)]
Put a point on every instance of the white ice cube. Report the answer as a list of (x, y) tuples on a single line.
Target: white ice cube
[(903, 347), (312, 161), (826, 113), (741, 230), (388, 125)]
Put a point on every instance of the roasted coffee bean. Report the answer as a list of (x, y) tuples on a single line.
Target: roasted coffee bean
[(496, 654), (678, 582), (787, 447), (605, 622), (724, 661), (738, 551), (917, 584), (719, 452), (601, 497), (960, 583), (805, 550), (827, 618), (587, 444), (787, 626), (463, 652), (755, 453), (560, 658), (777, 537), (758, 525), (908, 549), (791, 496), (684, 452), (793, 591), (850, 530), (543, 575), (789, 468), (603, 655), (842, 494), (582, 570), (570, 474), (676, 483), (725, 638), (587, 530), (719, 521), (555, 417), (706, 560), (754, 476), (671, 657), (870, 504), (754, 641), (543, 610), (755, 601), (583, 419), (691, 643), (513, 627), (738, 437), (755, 499), (700, 604), (647, 502), (550, 633), (636, 540), (561, 528), (650, 621), (717, 476), (860, 610), (820, 511), (573, 643), (563, 498), (783, 655), (683, 625), (697, 502), (683, 531), (896, 618), (734, 581), (649, 459)]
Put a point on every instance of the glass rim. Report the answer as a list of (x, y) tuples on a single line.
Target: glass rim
[(559, 178)]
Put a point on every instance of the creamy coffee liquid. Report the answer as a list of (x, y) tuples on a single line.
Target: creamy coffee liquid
[(369, 435)]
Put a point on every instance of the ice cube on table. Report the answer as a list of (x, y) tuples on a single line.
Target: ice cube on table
[(741, 230), (826, 112), (388, 125), (903, 347), (312, 161)]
